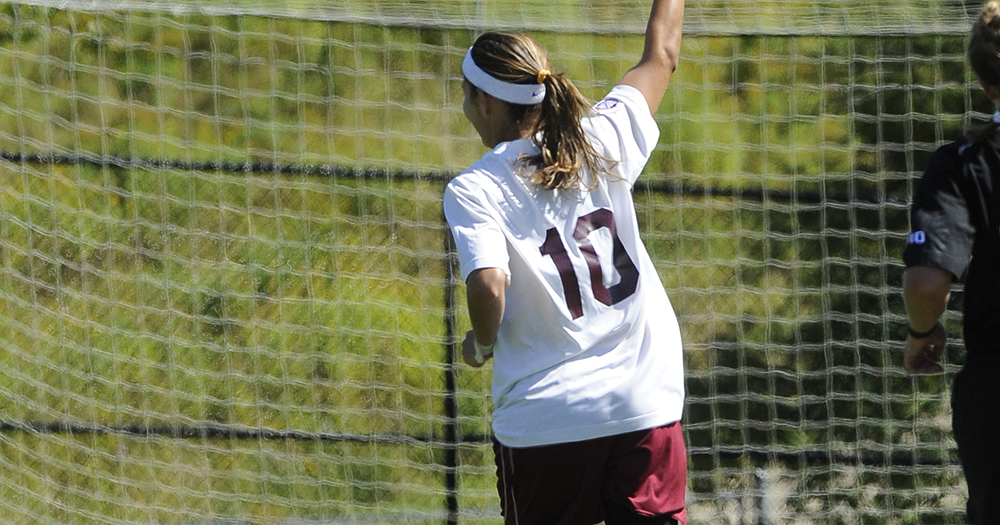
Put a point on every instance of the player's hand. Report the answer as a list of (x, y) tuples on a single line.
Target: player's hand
[(923, 355), (469, 351)]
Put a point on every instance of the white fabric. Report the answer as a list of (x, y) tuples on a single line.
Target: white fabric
[(524, 94), (615, 368), (996, 117)]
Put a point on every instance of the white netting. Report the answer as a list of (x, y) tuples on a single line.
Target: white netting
[(226, 296), (774, 17)]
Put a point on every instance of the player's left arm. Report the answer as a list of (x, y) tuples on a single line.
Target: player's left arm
[(926, 291), (937, 252), (485, 295)]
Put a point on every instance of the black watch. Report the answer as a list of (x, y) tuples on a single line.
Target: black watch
[(920, 335)]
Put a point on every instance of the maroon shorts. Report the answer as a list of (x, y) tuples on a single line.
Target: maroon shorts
[(568, 483)]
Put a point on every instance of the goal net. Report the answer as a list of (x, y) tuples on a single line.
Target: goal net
[(227, 294)]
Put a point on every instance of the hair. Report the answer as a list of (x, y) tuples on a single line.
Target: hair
[(984, 57), (564, 149)]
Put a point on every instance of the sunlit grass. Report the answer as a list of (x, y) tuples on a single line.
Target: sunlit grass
[(214, 299)]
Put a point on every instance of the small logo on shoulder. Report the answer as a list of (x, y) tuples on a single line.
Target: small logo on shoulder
[(917, 237), (607, 103)]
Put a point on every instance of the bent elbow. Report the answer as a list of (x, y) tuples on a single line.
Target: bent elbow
[(927, 284), (488, 284)]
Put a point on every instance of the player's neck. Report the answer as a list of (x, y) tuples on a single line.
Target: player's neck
[(507, 130)]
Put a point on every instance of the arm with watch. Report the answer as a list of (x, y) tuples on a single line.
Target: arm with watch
[(485, 289), (926, 291)]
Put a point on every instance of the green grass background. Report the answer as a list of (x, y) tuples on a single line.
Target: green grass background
[(309, 303)]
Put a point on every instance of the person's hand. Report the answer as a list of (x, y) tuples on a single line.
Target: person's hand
[(923, 355), (469, 354)]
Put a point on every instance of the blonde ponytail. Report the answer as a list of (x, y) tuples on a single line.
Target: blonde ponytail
[(564, 150)]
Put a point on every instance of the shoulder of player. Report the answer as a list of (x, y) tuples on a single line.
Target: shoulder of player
[(959, 166), (966, 150), (622, 102), (621, 97), (481, 178), (968, 159), (495, 165), (477, 174), (951, 157)]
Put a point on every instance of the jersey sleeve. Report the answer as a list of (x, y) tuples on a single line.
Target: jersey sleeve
[(479, 238), (941, 230), (623, 131)]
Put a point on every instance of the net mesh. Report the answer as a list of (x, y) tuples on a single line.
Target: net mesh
[(226, 290)]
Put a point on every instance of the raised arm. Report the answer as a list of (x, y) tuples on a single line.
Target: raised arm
[(661, 53)]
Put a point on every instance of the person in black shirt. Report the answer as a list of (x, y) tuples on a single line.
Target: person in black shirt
[(955, 236)]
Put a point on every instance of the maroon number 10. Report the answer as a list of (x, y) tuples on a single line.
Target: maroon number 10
[(554, 247)]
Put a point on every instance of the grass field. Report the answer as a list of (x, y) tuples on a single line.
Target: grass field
[(135, 298)]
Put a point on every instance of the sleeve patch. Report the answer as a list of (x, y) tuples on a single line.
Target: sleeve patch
[(606, 104), (917, 237)]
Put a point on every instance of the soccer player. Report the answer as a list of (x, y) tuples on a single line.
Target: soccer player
[(955, 234), (588, 384)]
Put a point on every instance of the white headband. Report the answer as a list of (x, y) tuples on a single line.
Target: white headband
[(524, 94)]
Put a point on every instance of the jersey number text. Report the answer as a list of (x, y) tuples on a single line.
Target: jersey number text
[(627, 271)]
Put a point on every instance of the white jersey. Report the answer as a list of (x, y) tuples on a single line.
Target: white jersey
[(589, 345)]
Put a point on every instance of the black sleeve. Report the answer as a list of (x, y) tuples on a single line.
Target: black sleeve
[(941, 232)]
